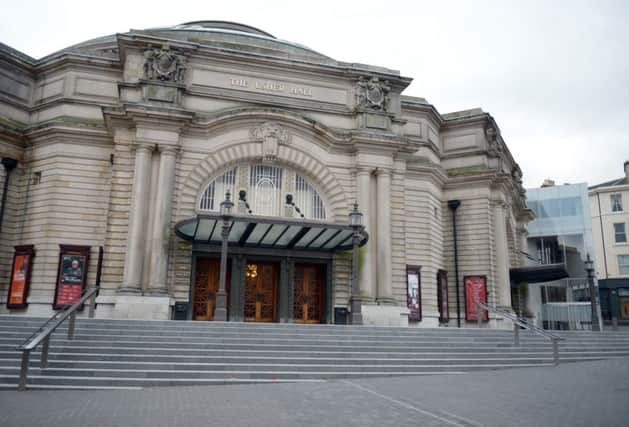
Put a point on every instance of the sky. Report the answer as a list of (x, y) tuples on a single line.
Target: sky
[(554, 74)]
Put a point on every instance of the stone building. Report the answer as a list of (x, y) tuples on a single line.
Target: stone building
[(122, 142), (609, 205)]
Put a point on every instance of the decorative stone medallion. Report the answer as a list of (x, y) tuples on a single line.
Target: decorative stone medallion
[(164, 64), (373, 93), (272, 136)]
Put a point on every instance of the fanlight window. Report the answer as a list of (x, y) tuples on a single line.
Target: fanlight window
[(308, 200), (215, 192), (266, 188)]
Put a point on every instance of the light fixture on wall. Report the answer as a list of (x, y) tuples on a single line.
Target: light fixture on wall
[(252, 271)]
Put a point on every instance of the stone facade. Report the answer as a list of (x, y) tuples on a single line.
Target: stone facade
[(117, 137)]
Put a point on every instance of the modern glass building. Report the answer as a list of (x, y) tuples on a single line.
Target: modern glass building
[(561, 234)]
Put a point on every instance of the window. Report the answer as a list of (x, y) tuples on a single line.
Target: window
[(619, 232), (265, 184), (554, 208), (616, 200), (266, 188), (214, 194), (308, 200), (623, 264)]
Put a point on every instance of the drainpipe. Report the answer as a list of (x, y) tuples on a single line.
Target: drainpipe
[(453, 205), (600, 218), (9, 164)]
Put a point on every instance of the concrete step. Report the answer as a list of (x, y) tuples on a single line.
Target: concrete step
[(246, 364), (126, 353)]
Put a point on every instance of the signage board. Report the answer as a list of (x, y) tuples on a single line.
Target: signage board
[(71, 275), (475, 290), (20, 276)]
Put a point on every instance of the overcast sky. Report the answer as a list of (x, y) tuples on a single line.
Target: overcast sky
[(554, 74)]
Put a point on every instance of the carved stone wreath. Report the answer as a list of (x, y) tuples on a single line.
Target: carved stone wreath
[(373, 93), (164, 64), (272, 136)]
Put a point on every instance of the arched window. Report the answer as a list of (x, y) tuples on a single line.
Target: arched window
[(266, 188), (214, 194), (308, 200)]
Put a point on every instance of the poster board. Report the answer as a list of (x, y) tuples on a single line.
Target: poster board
[(413, 293), (71, 275), (475, 290), (442, 296), (20, 276)]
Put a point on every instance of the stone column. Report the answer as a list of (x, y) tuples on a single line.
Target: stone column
[(383, 250), (132, 275), (160, 235), (366, 278), (503, 286)]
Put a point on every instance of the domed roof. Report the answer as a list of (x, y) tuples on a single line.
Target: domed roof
[(239, 37), (222, 35)]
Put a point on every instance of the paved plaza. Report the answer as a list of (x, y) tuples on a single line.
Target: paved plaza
[(577, 394)]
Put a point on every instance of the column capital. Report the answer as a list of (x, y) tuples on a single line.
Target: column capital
[(364, 170), (171, 150), (383, 171), (143, 147)]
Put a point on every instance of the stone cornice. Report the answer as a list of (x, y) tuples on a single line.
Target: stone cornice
[(201, 51), (409, 105), (134, 114), (424, 168)]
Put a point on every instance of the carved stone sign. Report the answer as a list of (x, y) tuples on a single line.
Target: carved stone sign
[(373, 94), (164, 64), (271, 86), (272, 136)]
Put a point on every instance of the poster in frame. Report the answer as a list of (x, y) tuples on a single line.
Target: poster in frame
[(475, 290), (442, 296), (20, 281), (71, 275), (413, 293)]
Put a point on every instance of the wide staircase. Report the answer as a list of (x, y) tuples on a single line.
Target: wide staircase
[(125, 353)]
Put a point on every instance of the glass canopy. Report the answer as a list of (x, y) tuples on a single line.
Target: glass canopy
[(266, 232)]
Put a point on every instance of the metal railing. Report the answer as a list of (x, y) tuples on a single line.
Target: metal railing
[(573, 315), (42, 335), (517, 323)]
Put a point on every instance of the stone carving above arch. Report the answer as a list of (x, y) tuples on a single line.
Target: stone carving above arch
[(272, 135)]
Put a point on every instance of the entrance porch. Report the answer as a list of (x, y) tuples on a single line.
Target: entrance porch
[(275, 269)]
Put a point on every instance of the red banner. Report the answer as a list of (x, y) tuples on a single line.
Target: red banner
[(73, 261), (20, 276), (475, 290)]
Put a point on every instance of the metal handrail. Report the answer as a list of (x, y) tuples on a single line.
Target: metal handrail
[(520, 322), (42, 335)]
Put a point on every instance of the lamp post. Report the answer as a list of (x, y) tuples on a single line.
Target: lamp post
[(220, 313), (454, 205), (356, 222), (589, 268)]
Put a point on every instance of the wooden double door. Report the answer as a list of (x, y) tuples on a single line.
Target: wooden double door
[(308, 293), (205, 287), (261, 282), (261, 291)]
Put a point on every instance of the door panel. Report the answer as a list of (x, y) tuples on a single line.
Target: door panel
[(205, 287), (308, 293), (260, 292)]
